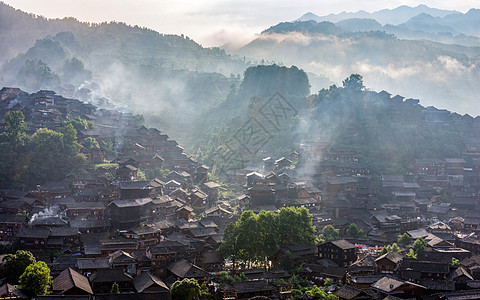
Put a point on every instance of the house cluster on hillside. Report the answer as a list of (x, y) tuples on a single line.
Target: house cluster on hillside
[(146, 234), (138, 234)]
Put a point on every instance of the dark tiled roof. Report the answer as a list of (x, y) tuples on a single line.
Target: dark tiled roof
[(366, 279), (85, 224), (110, 275), (27, 232), (394, 257), (85, 205), (146, 280), (211, 185), (389, 283), (460, 272), (323, 270), (300, 250), (250, 286), (438, 285), (49, 221), (10, 289), (69, 279), (63, 231), (120, 254), (184, 269), (348, 292), (426, 266), (93, 263), (417, 233), (131, 203), (202, 232), (135, 185), (343, 244), (12, 204), (211, 257), (460, 295), (12, 219)]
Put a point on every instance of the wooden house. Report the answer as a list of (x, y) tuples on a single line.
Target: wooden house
[(388, 263), (391, 286), (341, 252)]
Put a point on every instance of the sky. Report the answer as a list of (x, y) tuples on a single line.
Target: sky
[(214, 22)]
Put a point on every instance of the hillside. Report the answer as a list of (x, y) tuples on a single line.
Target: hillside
[(169, 78), (388, 132), (441, 74)]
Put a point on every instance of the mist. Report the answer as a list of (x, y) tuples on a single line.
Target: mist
[(441, 76)]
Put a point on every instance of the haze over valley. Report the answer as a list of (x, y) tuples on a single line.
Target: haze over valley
[(239, 150)]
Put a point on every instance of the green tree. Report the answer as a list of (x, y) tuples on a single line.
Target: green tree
[(160, 173), (36, 279), (36, 75), (295, 226), (187, 289), (91, 143), (247, 233), (53, 155), (15, 264), (13, 160), (267, 234), (354, 83), (115, 288), (15, 126), (395, 248), (411, 254), (404, 239), (254, 239), (328, 282), (74, 72), (354, 231), (446, 198), (386, 249), (108, 148), (204, 292), (329, 233), (287, 262), (390, 248), (455, 263), (419, 245), (224, 278), (319, 293), (229, 246), (78, 123)]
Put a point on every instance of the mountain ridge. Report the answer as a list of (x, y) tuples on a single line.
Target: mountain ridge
[(393, 16)]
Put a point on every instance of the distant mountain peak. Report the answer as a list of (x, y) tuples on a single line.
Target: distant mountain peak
[(395, 16), (309, 16)]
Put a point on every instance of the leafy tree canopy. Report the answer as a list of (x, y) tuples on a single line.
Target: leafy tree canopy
[(354, 83), (115, 288), (354, 231), (15, 264), (329, 233), (187, 289), (254, 239), (36, 279), (419, 245), (404, 239)]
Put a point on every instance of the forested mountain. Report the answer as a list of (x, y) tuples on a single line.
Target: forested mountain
[(387, 132), (200, 97), (169, 78)]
